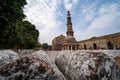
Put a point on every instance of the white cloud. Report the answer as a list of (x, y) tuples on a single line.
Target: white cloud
[(106, 22), (44, 13), (88, 12), (69, 4), (109, 15)]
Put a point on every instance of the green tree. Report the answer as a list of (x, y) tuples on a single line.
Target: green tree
[(49, 47), (45, 46), (15, 32)]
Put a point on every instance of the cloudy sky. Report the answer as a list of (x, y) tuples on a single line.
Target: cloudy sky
[(89, 17)]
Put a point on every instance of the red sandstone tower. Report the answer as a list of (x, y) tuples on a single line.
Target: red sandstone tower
[(69, 25)]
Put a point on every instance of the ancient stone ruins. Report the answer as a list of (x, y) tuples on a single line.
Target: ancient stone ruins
[(74, 60), (60, 65), (68, 42)]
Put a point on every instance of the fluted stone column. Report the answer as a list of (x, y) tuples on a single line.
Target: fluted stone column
[(75, 47), (71, 47), (67, 47)]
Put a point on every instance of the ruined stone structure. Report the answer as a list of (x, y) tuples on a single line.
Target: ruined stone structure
[(111, 41), (66, 42), (89, 64), (69, 42), (57, 42)]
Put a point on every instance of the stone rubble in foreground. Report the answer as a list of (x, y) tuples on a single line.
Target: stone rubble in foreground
[(33, 66), (74, 65), (89, 65), (6, 56)]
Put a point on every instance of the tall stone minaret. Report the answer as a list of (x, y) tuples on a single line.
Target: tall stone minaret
[(69, 25)]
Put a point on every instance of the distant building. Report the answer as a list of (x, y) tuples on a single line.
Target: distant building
[(57, 42), (111, 41), (66, 42), (69, 42)]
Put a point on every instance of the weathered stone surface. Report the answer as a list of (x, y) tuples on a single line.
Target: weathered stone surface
[(24, 52), (89, 65), (6, 56), (36, 66), (117, 60)]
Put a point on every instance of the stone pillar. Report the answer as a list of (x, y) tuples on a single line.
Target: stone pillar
[(75, 47), (71, 47), (67, 47)]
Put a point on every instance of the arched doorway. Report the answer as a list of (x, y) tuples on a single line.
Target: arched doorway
[(73, 47), (110, 45), (94, 46), (85, 47), (69, 47)]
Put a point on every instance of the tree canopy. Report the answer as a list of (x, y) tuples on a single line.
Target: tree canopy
[(15, 32), (45, 46)]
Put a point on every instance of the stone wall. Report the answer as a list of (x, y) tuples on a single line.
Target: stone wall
[(57, 42), (111, 41)]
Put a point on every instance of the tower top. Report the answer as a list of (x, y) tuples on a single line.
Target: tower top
[(68, 13)]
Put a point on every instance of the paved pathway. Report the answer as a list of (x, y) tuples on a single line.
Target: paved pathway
[(53, 54)]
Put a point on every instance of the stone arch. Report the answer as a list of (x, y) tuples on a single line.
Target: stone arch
[(110, 45), (85, 47), (69, 47), (73, 47), (94, 46)]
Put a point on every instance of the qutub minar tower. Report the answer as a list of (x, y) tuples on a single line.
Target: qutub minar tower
[(69, 25), (69, 42)]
